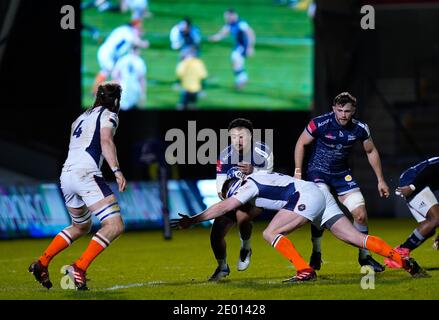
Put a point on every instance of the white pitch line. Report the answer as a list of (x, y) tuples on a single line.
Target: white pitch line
[(133, 285)]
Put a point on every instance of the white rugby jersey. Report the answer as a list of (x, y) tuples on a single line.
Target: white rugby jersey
[(85, 140), (268, 190), (119, 41), (128, 71)]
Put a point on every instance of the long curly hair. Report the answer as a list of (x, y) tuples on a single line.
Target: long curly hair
[(108, 96)]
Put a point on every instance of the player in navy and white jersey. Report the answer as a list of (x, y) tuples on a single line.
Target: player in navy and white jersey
[(333, 136), (297, 202), (185, 36), (244, 156), (417, 185), (84, 188), (244, 37)]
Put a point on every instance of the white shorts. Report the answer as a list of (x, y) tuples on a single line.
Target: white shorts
[(82, 186), (421, 203), (310, 204), (332, 209), (238, 58)]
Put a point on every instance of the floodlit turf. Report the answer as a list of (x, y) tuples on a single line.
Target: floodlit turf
[(141, 265), (280, 71)]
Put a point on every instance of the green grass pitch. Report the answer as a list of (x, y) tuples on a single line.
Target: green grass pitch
[(280, 71), (142, 265)]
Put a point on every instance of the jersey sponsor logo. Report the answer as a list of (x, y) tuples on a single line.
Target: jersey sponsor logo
[(421, 205), (348, 178), (330, 136), (340, 134), (301, 207), (339, 146), (351, 137), (261, 152), (323, 123)]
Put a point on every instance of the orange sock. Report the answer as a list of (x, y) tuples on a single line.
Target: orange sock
[(380, 247), (97, 244), (287, 249), (61, 241)]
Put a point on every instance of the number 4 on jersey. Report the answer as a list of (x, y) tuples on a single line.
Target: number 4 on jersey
[(78, 131)]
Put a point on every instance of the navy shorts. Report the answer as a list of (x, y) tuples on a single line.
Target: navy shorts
[(341, 183)]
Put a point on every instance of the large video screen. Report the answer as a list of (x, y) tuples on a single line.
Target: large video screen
[(200, 54)]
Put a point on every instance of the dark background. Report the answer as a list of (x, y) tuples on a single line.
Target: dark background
[(392, 70)]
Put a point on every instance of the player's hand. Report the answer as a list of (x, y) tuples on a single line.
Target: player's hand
[(121, 181), (298, 173), (183, 223), (403, 191), (245, 168), (383, 189)]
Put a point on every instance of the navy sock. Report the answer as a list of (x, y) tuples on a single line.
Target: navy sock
[(415, 240)]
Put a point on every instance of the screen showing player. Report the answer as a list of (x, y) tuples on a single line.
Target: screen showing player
[(200, 55)]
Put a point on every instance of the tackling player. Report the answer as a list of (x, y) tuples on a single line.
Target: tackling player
[(417, 185), (118, 43), (238, 159), (244, 37), (297, 202), (333, 136), (85, 190)]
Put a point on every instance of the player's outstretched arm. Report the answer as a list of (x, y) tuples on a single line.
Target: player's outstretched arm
[(375, 162), (110, 154), (299, 152), (220, 34), (214, 211)]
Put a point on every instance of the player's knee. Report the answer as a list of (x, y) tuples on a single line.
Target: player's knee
[(354, 201), (361, 218), (268, 235), (83, 228), (118, 227)]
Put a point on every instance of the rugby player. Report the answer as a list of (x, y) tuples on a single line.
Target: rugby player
[(237, 160), (333, 136), (244, 37), (85, 190), (297, 202), (417, 185), (120, 41)]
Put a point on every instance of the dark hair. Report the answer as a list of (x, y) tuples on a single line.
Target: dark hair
[(108, 96), (344, 98), (241, 123), (231, 10), (188, 21)]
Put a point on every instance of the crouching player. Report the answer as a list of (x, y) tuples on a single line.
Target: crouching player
[(84, 189), (297, 203), (417, 185)]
